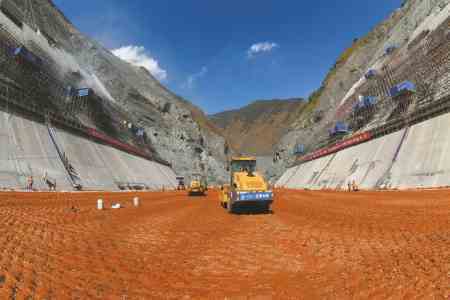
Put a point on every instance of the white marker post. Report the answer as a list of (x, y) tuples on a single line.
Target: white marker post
[(100, 204), (136, 202)]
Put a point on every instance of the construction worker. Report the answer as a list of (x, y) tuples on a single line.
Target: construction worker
[(349, 186), (50, 183), (277, 156), (355, 186), (30, 182)]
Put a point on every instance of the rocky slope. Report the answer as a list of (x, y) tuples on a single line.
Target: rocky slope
[(256, 128), (179, 131), (311, 125)]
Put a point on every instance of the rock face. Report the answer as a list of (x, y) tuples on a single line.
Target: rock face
[(250, 130), (395, 114), (256, 128), (178, 131), (311, 126), (265, 128)]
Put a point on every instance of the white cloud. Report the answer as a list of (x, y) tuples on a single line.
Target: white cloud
[(190, 82), (261, 47), (138, 56)]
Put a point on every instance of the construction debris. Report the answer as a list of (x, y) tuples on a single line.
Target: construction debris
[(116, 206)]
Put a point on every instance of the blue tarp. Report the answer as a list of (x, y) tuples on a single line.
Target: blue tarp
[(358, 105), (390, 49), (402, 88), (370, 100), (340, 127), (366, 101), (140, 132), (370, 74), (299, 149), (83, 92), (27, 55)]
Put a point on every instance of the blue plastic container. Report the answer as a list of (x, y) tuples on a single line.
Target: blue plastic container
[(299, 149), (83, 92), (370, 74), (406, 87), (339, 128), (390, 49), (28, 56)]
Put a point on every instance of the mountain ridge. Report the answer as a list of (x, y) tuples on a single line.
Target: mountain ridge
[(257, 127)]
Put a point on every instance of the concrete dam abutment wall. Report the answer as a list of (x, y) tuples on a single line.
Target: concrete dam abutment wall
[(414, 157), (58, 122), (394, 120), (30, 148)]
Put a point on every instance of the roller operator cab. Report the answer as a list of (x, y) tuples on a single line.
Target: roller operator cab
[(247, 188), (198, 185)]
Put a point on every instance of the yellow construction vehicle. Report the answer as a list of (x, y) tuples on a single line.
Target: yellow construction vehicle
[(198, 185), (247, 188)]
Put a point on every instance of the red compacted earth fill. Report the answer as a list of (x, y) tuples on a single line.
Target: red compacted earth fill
[(315, 245)]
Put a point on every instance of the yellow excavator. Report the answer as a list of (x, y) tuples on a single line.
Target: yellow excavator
[(247, 188), (198, 185)]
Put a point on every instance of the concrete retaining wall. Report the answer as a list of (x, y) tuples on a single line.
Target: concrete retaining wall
[(410, 158), (424, 160), (27, 149)]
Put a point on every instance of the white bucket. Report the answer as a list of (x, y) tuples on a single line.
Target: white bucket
[(100, 204), (136, 201)]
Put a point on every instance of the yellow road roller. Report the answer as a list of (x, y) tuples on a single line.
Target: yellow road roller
[(247, 188), (198, 185)]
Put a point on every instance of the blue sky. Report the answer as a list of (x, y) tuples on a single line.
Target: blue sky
[(202, 50)]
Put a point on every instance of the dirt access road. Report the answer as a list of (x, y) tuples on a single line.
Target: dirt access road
[(316, 245)]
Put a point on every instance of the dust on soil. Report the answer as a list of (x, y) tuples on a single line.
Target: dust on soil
[(323, 245)]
